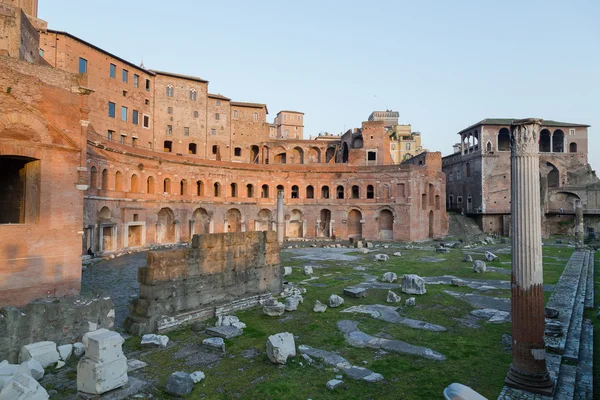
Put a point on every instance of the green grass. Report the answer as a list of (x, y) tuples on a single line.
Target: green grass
[(473, 356)]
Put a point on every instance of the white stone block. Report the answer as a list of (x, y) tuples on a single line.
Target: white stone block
[(104, 346), (155, 340), (35, 368), (78, 349), (23, 387), (280, 347), (308, 270), (44, 352), (94, 377), (287, 271), (197, 376), (65, 351)]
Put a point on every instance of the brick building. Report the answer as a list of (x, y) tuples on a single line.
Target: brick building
[(478, 175), (116, 156)]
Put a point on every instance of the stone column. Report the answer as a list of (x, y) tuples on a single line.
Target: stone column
[(579, 223), (528, 370), (280, 217)]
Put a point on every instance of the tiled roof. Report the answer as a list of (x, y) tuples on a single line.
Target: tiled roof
[(192, 78), (218, 96), (251, 105)]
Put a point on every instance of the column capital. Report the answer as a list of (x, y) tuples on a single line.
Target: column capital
[(524, 136)]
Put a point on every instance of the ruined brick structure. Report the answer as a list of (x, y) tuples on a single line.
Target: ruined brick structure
[(478, 176), (133, 156)]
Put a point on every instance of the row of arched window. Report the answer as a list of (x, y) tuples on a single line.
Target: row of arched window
[(166, 186)]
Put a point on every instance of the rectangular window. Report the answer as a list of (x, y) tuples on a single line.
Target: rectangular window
[(122, 140), (218, 102), (170, 110), (134, 141), (217, 116), (146, 121), (136, 80), (213, 132), (111, 109), (237, 152), (125, 76), (393, 146), (407, 146), (123, 113), (450, 177), (169, 130), (113, 70), (235, 114), (571, 132), (186, 131), (82, 65), (147, 85), (135, 117), (195, 114), (459, 199), (109, 136), (458, 175), (372, 156)]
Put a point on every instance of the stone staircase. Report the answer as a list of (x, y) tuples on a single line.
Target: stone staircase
[(570, 356), (459, 225)]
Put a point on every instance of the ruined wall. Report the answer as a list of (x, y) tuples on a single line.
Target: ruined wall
[(182, 285)]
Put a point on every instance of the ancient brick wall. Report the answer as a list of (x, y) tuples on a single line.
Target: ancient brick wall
[(182, 285)]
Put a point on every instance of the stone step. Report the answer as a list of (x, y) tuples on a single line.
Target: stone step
[(589, 293), (574, 334), (563, 299), (584, 385), (565, 386)]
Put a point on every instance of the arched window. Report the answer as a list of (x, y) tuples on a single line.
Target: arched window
[(504, 140), (340, 192), (150, 185), (573, 147), (233, 190), (489, 147), (167, 185), (280, 188), (295, 192), (558, 141), (217, 189), (545, 141), (93, 178), (325, 192), (170, 90), (199, 188), (310, 192), (437, 201), (355, 192), (183, 187), (135, 187), (256, 116), (193, 94), (264, 191), (249, 191), (370, 192), (119, 181)]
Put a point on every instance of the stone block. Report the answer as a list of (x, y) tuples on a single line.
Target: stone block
[(78, 349), (319, 307), (413, 284), (410, 302), (197, 376), (35, 368), (280, 347), (458, 282), (155, 340), (65, 351), (389, 277), (479, 266), (103, 346), (308, 270), (95, 377), (215, 342), (274, 310), (23, 387), (287, 271), (179, 384), (44, 352), (355, 292), (393, 297), (225, 332), (335, 301), (381, 257), (292, 302), (333, 384)]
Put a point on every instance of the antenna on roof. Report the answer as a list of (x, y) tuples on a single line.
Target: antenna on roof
[(142, 64)]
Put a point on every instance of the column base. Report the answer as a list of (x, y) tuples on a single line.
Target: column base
[(534, 383)]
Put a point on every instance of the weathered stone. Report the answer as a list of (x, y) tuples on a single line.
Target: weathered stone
[(398, 254), (340, 363), (359, 244), (65, 351), (134, 365), (225, 332), (287, 271), (410, 302), (553, 328), (458, 282), (551, 312), (197, 376), (215, 342), (355, 292), (319, 307), (104, 366), (468, 258), (413, 284), (179, 384), (197, 326), (381, 257), (442, 250), (333, 384), (369, 245), (393, 297), (44, 352), (6, 372), (479, 266), (490, 256), (364, 251), (60, 364), (389, 277), (308, 270), (35, 368), (460, 391), (230, 320), (78, 349), (335, 301), (23, 387), (291, 303), (155, 340), (274, 310), (280, 347)]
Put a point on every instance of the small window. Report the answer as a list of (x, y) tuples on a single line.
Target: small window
[(111, 109), (370, 192), (170, 91), (147, 102), (571, 132), (20, 194), (256, 116), (169, 130), (218, 102), (458, 175), (450, 177), (168, 146), (123, 139), (170, 110), (310, 192), (195, 114), (109, 135), (213, 132), (82, 65), (237, 152), (134, 141), (147, 85), (123, 113), (295, 192), (125, 76), (136, 80), (459, 199), (192, 148), (235, 114), (217, 116), (372, 156), (146, 121), (193, 94), (124, 93), (135, 117), (186, 131), (215, 149), (407, 146)]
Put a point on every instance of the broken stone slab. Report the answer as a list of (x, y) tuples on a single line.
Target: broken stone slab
[(468, 258), (319, 307), (442, 250), (60, 364), (22, 386), (364, 251), (179, 384), (134, 365), (410, 302), (413, 284), (7, 371), (389, 277), (490, 256), (274, 309), (458, 282), (155, 340), (333, 384), (78, 349), (480, 301), (287, 271), (308, 270), (381, 257), (357, 338), (197, 376), (335, 301), (44, 352), (65, 351), (225, 332), (398, 254), (389, 314), (35, 369), (341, 364), (281, 346), (230, 320), (355, 292), (393, 297), (292, 302), (104, 366), (492, 315), (215, 342), (460, 391), (479, 266), (369, 245)]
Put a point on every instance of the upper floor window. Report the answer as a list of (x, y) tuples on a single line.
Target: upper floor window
[(193, 94), (113, 70), (169, 130), (147, 85), (146, 121), (235, 114), (170, 110), (123, 113), (82, 65), (170, 91), (407, 146), (571, 131), (125, 76), (186, 131), (195, 114), (218, 102), (256, 116), (135, 117), (458, 175), (213, 132), (111, 109), (217, 116), (136, 80)]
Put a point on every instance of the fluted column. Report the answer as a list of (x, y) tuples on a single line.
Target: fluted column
[(280, 216), (528, 370), (579, 223)]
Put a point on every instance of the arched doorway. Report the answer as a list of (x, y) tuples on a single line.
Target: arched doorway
[(553, 176), (314, 155), (297, 156), (386, 224), (165, 228), (295, 224), (431, 224), (200, 222), (325, 218), (545, 141), (263, 220), (354, 224), (329, 154), (254, 154), (233, 220), (504, 140)]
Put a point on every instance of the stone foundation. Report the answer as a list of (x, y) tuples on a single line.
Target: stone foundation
[(225, 271), (61, 320)]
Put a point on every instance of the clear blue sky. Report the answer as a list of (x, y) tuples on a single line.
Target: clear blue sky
[(442, 64)]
